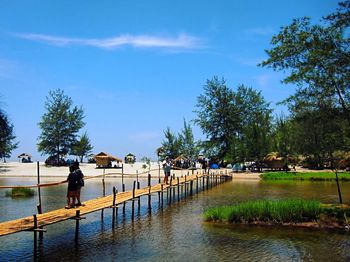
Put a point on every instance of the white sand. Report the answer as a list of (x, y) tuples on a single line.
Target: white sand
[(16, 169)]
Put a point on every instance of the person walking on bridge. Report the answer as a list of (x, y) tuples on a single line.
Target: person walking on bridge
[(72, 187), (167, 169), (80, 181)]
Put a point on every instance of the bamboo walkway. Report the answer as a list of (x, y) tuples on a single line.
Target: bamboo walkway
[(37, 222)]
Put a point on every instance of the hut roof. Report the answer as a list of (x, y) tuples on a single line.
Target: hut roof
[(272, 157), (103, 155), (24, 155), (180, 157)]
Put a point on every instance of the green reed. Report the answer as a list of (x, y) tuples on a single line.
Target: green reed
[(20, 192), (291, 210), (312, 176)]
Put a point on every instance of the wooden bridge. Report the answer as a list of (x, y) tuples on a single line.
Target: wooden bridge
[(180, 186)]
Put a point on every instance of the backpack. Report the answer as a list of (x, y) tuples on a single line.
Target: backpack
[(80, 176), (81, 182)]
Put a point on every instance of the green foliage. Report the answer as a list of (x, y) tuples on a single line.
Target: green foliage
[(237, 124), (282, 211), (7, 137), (147, 161), (182, 143), (170, 145), (254, 137), (188, 146), (82, 147), (312, 176), (20, 192), (317, 59), (284, 137), (59, 125), (217, 117)]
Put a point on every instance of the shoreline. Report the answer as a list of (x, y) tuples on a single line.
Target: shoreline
[(29, 170)]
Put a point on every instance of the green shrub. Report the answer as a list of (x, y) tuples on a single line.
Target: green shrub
[(292, 210), (312, 176), (20, 192)]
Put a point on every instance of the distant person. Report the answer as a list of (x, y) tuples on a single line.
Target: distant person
[(167, 169), (72, 188), (204, 165), (80, 181)]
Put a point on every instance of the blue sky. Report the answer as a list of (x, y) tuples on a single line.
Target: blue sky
[(136, 67)]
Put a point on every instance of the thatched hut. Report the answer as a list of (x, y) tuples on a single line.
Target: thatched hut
[(130, 159), (273, 161), (25, 157), (105, 160)]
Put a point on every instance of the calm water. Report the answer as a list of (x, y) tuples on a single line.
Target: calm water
[(176, 233)]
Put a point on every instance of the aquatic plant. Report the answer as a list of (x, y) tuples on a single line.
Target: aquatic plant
[(312, 176), (290, 210), (20, 192)]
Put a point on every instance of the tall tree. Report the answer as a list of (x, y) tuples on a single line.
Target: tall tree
[(317, 57), (319, 130), (171, 145), (189, 147), (217, 117), (283, 135), (255, 131), (7, 137), (82, 147), (237, 124), (59, 125)]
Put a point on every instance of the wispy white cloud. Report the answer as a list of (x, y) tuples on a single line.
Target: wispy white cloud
[(263, 80), (181, 41), (144, 136), (8, 68), (248, 61), (260, 31)]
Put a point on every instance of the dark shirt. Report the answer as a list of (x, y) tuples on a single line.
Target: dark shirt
[(72, 181)]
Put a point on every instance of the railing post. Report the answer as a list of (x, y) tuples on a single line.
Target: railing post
[(161, 192), (133, 201), (35, 234), (178, 189), (77, 218), (149, 192)]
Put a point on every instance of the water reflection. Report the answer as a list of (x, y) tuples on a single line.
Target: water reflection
[(177, 232)]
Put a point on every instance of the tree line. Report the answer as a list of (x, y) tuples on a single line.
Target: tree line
[(59, 126), (239, 124)]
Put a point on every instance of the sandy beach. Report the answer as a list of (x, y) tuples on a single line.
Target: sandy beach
[(16, 169)]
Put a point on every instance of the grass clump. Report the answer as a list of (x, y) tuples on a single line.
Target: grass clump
[(20, 192), (282, 211), (311, 176)]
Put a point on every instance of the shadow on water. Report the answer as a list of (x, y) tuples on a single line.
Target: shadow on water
[(178, 233)]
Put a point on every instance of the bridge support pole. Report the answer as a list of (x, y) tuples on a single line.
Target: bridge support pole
[(35, 236), (139, 198), (170, 189), (178, 189), (174, 191), (161, 193), (185, 185), (191, 187), (114, 206), (149, 193), (133, 201), (77, 218)]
